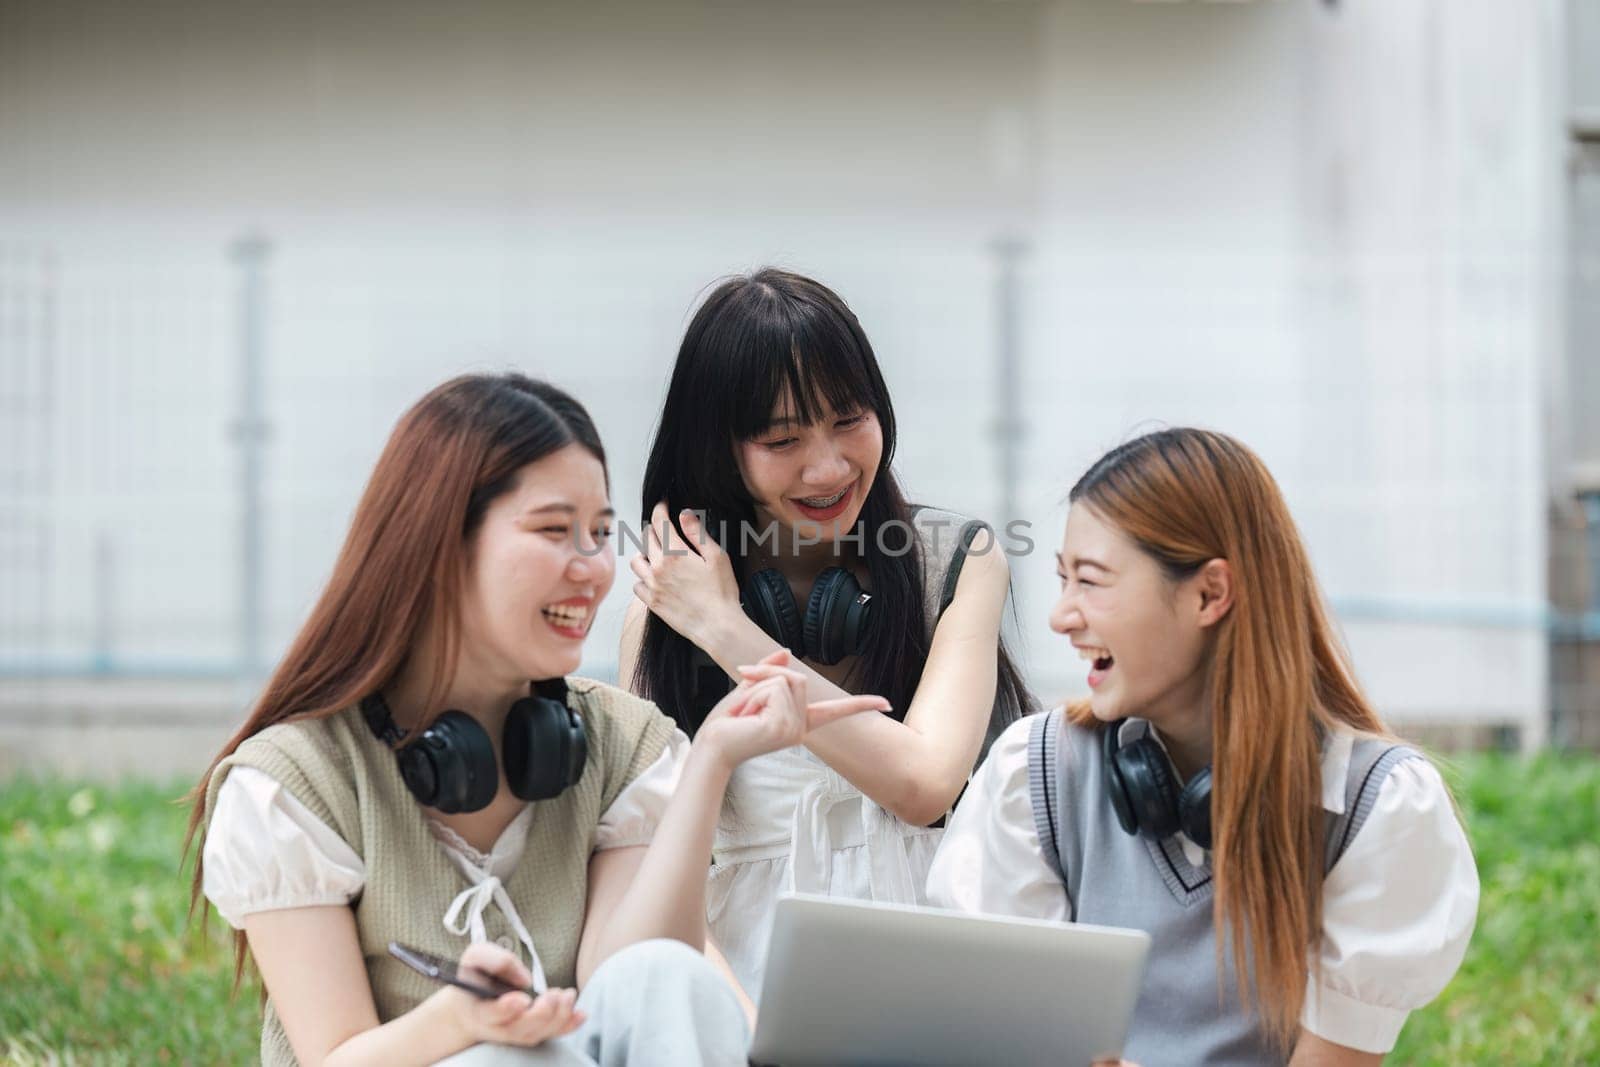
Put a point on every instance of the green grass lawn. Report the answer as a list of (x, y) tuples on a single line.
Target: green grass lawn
[(98, 965)]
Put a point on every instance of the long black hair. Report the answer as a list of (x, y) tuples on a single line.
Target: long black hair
[(756, 339)]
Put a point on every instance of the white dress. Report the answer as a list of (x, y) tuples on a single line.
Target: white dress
[(790, 822)]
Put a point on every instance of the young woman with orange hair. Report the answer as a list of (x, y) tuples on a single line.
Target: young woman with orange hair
[(1226, 786)]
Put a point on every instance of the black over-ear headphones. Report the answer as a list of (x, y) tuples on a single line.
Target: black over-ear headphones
[(451, 766), (1144, 790), (835, 623)]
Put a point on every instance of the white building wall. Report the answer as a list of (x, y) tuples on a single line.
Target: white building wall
[(1316, 229)]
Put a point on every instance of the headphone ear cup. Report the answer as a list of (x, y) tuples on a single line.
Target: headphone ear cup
[(827, 621), (1194, 808), (451, 767), (577, 748), (545, 748), (769, 602), (1115, 787), (857, 620), (1151, 786)]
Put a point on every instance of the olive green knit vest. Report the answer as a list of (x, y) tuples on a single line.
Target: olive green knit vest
[(351, 781)]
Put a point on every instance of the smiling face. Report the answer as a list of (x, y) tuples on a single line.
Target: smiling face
[(812, 478), (1145, 636), (538, 566)]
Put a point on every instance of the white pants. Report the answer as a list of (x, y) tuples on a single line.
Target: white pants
[(654, 1004)]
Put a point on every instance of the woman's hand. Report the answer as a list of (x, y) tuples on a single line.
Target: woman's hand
[(689, 586), (511, 1018), (767, 711)]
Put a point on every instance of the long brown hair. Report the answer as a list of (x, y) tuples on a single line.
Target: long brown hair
[(401, 571), (1279, 678)]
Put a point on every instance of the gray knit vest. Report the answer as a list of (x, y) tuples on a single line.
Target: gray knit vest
[(1188, 1011)]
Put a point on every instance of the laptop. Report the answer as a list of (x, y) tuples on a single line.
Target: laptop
[(863, 983)]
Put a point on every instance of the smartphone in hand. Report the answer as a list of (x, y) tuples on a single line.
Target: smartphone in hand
[(440, 969)]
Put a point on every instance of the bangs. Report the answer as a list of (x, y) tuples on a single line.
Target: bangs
[(805, 358)]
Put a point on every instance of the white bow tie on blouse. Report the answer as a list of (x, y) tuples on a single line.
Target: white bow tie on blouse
[(465, 914)]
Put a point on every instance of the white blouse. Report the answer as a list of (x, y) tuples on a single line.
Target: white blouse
[(1398, 907), (265, 850)]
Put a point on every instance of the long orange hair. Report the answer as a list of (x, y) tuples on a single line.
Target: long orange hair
[(1279, 677), (403, 564)]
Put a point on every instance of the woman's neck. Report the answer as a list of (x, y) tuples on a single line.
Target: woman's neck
[(1188, 743), (797, 555), (1183, 719), (483, 696)]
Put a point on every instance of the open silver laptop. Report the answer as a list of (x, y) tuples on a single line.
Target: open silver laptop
[(851, 982)]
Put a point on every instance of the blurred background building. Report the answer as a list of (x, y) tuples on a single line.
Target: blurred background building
[(237, 240)]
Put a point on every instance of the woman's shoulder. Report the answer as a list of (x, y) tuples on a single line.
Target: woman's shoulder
[(309, 743), (611, 705), (950, 544), (944, 530), (314, 759), (1368, 777), (1006, 764), (627, 733), (1072, 721)]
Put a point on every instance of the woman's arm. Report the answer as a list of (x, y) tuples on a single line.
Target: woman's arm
[(642, 892), (1314, 1051), (657, 890), (915, 768), (310, 961)]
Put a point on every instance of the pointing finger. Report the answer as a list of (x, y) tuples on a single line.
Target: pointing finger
[(825, 711), (762, 672)]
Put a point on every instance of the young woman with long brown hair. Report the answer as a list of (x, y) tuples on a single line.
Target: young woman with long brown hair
[(1226, 786), (553, 832)]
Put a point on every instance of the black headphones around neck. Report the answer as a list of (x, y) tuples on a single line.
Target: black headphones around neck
[(1145, 793), (451, 766), (836, 619)]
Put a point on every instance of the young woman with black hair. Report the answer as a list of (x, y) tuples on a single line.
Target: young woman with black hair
[(775, 521), (1226, 786), (550, 831)]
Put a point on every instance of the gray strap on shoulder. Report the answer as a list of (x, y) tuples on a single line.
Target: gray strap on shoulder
[(969, 533), (946, 539), (1043, 786), (1370, 764)]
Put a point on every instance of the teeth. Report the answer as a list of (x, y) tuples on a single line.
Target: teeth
[(1088, 653), (824, 501), (568, 615)]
